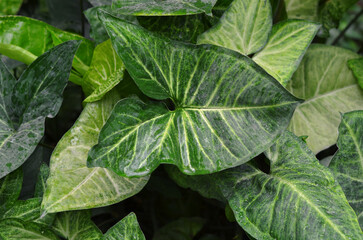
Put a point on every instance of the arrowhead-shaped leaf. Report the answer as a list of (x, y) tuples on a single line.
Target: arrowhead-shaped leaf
[(324, 80), (244, 27), (285, 48), (72, 185), (297, 199), (347, 163), (165, 7), (127, 229), (27, 102), (356, 65), (228, 109)]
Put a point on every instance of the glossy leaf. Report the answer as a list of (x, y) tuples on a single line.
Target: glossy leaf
[(76, 225), (356, 65), (285, 48), (347, 163), (71, 184), (27, 102), (9, 7), (16, 229), (244, 27), (324, 80), (302, 9), (24, 39), (127, 229), (162, 8), (297, 199), (10, 187), (228, 109), (105, 72), (181, 229)]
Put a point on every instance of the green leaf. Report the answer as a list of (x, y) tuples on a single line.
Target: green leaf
[(228, 109), (333, 10), (26, 210), (181, 229), (324, 80), (35, 96), (10, 7), (127, 229), (10, 187), (100, 2), (16, 229), (285, 48), (24, 39), (72, 185), (302, 9), (356, 65), (347, 163), (42, 178), (297, 199), (165, 7), (105, 72), (76, 225), (244, 27)]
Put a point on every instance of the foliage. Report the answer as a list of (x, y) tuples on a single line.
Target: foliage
[(255, 117)]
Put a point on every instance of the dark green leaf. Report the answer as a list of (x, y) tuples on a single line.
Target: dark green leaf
[(26, 210), (165, 7), (347, 163), (181, 229), (35, 96), (302, 9), (127, 229), (42, 178), (9, 7), (356, 65), (10, 187), (333, 10), (228, 109)]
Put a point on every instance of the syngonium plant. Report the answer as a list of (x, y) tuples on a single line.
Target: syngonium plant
[(227, 100)]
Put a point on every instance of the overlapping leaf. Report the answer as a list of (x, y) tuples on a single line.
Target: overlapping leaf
[(324, 80), (71, 184), (24, 104), (165, 7), (285, 48), (127, 229), (302, 9), (347, 163), (10, 7), (244, 27), (297, 199), (356, 65), (228, 109), (24, 39), (332, 11), (10, 187)]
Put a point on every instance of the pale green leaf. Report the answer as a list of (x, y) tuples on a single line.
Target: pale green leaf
[(27, 102), (105, 72), (181, 229), (244, 27), (285, 48), (72, 185), (356, 65), (10, 187), (76, 225), (302, 9), (127, 229), (9, 7), (347, 163), (324, 80), (163, 8), (228, 109)]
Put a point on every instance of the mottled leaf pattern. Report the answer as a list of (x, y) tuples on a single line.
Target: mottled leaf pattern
[(347, 163), (228, 109), (332, 11), (165, 7), (356, 65), (244, 27), (10, 187), (9, 7), (100, 2), (76, 225), (26, 210), (324, 80), (71, 184), (302, 9), (35, 96), (127, 229), (285, 48)]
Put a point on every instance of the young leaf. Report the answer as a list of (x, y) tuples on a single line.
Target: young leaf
[(10, 7), (347, 163), (16, 229), (181, 229), (35, 96), (127, 229), (165, 7), (24, 39), (285, 48), (105, 72), (76, 225), (10, 187), (324, 80), (302, 9), (244, 27), (71, 184), (228, 110), (356, 65)]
